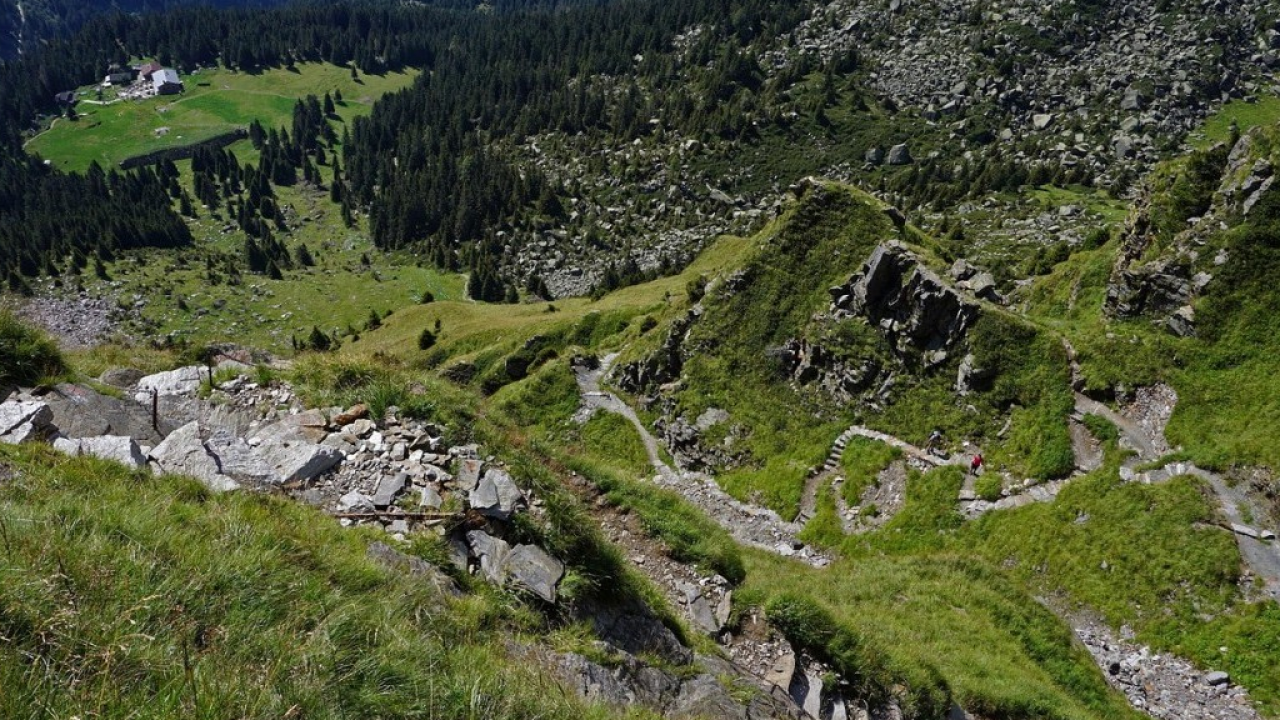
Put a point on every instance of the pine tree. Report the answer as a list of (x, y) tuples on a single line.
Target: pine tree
[(303, 255), (318, 340)]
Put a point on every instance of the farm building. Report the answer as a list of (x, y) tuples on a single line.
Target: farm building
[(147, 70), (117, 76), (166, 82)]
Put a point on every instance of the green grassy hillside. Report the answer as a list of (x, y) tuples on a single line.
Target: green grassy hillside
[(929, 606), (127, 596), (939, 606)]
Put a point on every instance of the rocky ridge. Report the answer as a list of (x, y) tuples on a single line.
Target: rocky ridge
[(1162, 285)]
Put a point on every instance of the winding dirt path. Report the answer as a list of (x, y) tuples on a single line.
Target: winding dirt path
[(763, 528), (1258, 548), (830, 470), (593, 398), (748, 524)]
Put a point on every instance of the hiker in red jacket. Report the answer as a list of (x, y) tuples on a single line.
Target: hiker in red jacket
[(976, 464)]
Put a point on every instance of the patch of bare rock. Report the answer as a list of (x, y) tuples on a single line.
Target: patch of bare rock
[(1163, 686), (74, 320)]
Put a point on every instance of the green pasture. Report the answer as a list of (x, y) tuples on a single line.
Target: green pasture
[(214, 101)]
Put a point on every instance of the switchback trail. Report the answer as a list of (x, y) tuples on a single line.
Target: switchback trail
[(1258, 551), (763, 528), (822, 477), (748, 524)]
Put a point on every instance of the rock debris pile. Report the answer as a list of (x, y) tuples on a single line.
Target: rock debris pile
[(394, 474), (1164, 686)]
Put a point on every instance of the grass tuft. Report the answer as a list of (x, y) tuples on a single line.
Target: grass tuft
[(27, 355)]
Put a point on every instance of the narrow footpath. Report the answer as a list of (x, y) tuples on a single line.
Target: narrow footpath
[(1162, 686), (748, 524)]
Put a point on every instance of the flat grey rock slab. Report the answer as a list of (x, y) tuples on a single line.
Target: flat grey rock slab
[(532, 568), (491, 552), (184, 453), (1245, 530), (13, 415), (121, 449), (183, 381), (469, 473), (237, 459), (806, 690), (780, 672), (26, 432), (701, 614), (306, 426), (430, 498), (297, 460), (388, 487), (355, 502), (81, 412)]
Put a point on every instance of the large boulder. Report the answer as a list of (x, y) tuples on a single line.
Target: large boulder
[(123, 450), (23, 421), (496, 495), (899, 155), (531, 568), (184, 453)]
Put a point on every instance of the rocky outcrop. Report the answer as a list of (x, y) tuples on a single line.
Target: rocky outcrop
[(684, 439), (840, 378), (716, 689), (921, 315), (82, 412), (1160, 278), (664, 364)]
